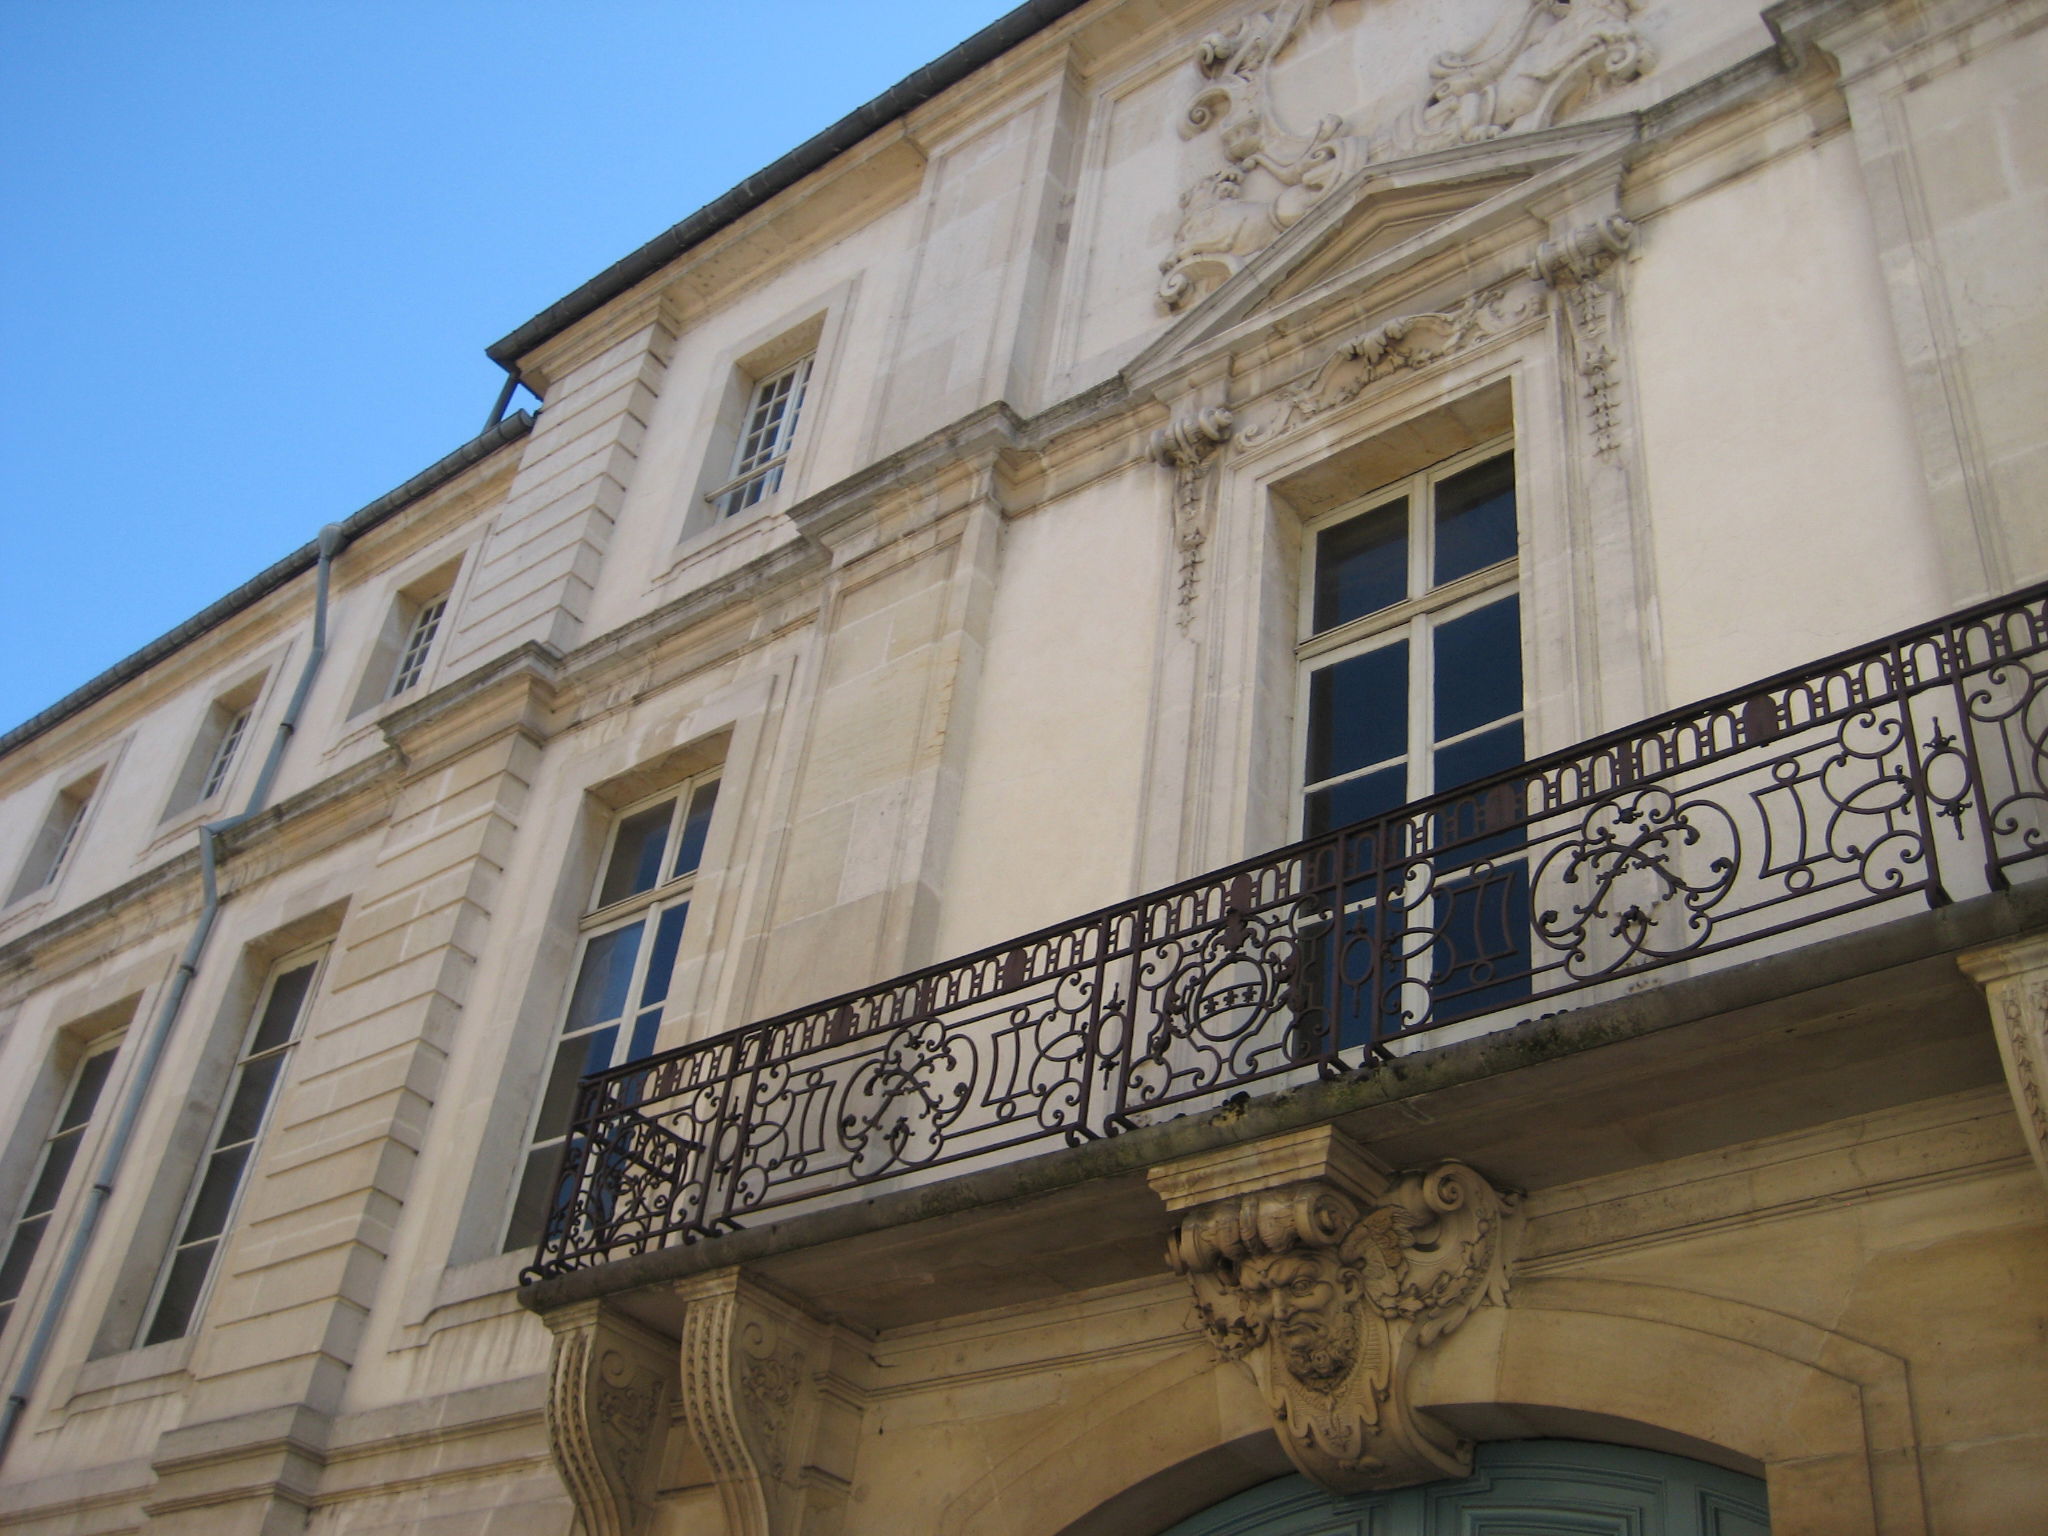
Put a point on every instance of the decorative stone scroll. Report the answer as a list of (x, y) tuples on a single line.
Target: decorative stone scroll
[(609, 1391), (2014, 976), (1187, 445), (1540, 59), (1325, 1274), (1579, 266), (755, 1388), (1220, 226)]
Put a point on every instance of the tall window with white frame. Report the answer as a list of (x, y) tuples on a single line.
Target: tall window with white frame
[(223, 1175), (53, 1170), (766, 435), (631, 937), (1410, 685)]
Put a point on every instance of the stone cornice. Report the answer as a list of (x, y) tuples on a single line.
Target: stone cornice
[(317, 818)]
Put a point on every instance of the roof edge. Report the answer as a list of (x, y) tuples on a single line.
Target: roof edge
[(913, 90), (299, 561)]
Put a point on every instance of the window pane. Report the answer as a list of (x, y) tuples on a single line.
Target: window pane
[(1358, 712), (646, 1030), (252, 1097), (636, 854), (696, 823), (668, 937), (1478, 667), (216, 1193), (1475, 519), (1477, 756), (20, 1254), (85, 1093), (281, 1012), (56, 1164), (1355, 799), (181, 1294), (602, 982), (1361, 565), (574, 1060), (536, 1196)]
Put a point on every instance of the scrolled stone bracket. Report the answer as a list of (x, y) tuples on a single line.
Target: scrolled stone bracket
[(1325, 1274), (758, 1394), (1578, 265), (2014, 976), (610, 1387), (1188, 445)]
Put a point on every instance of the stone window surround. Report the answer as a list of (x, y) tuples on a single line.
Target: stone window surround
[(99, 765), (249, 688), (731, 735), (91, 1025), (815, 328), (440, 572), (173, 1136)]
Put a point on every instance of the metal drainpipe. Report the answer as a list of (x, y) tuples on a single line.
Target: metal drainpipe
[(504, 398), (139, 1079)]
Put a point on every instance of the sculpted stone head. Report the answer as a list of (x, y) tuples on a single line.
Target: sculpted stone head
[(1307, 1298)]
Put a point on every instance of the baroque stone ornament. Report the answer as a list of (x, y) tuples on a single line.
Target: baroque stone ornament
[(1406, 341), (1539, 60), (1327, 1287), (1579, 266), (1220, 224), (1187, 445), (756, 1386), (609, 1390)]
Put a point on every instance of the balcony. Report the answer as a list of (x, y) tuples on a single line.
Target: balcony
[(1905, 774)]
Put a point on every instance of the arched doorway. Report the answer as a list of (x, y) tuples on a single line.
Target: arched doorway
[(1524, 1487)]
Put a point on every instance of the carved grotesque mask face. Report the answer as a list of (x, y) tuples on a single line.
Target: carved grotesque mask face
[(1305, 1297)]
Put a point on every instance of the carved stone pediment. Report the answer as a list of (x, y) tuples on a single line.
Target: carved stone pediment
[(1324, 1274), (1383, 225)]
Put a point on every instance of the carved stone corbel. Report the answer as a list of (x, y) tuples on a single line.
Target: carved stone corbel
[(609, 1393), (1579, 266), (1187, 445), (757, 1385), (1324, 1273), (2014, 976)]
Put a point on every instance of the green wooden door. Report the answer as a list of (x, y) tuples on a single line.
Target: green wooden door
[(1517, 1488)]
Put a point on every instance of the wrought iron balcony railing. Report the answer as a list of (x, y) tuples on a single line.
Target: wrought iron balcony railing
[(1916, 766)]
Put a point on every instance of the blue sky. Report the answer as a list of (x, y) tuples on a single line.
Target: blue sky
[(254, 252)]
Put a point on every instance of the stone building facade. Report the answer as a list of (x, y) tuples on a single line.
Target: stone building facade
[(1159, 434)]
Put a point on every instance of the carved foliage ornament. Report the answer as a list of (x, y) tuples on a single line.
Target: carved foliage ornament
[(1407, 341), (1187, 445), (1327, 1297), (1579, 266), (1540, 59)]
